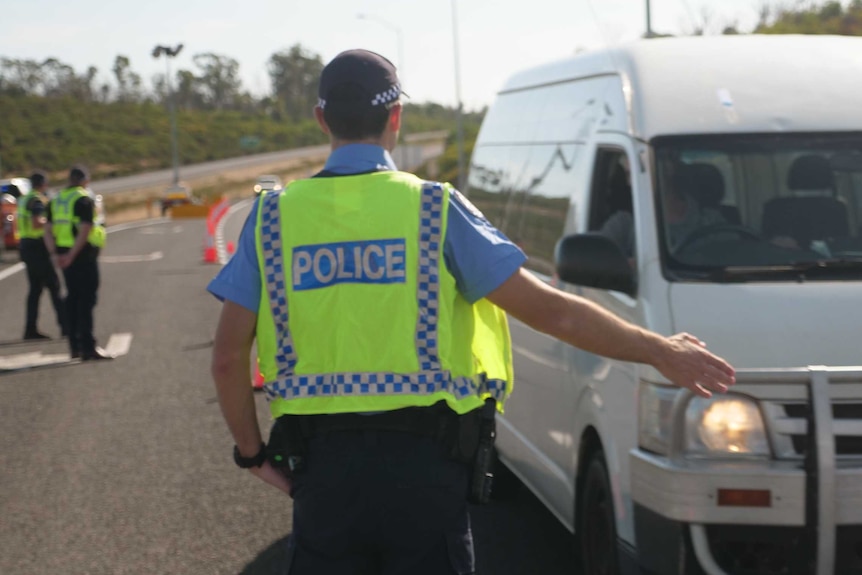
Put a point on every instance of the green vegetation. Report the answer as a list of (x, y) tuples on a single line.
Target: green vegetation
[(827, 18), (52, 117)]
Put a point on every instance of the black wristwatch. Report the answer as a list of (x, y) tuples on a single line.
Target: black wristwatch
[(249, 462)]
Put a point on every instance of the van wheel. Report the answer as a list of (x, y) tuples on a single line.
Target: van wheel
[(597, 528)]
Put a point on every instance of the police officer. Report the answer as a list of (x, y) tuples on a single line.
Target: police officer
[(376, 301), (74, 240), (34, 254)]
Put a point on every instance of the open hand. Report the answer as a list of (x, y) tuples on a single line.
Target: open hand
[(687, 363)]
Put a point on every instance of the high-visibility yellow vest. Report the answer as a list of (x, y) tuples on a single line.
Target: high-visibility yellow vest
[(358, 312), (64, 221), (26, 231)]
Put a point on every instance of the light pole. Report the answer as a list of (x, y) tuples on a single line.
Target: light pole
[(400, 68), (398, 34), (459, 114), (648, 20), (171, 53)]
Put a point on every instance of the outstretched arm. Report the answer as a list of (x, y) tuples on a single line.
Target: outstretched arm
[(682, 358)]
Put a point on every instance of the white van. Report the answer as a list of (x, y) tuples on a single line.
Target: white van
[(707, 185)]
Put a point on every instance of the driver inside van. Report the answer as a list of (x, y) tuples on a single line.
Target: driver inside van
[(683, 215)]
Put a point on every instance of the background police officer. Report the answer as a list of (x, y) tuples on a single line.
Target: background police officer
[(378, 327), (34, 254), (74, 240)]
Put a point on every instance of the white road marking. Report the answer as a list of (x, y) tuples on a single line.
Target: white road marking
[(128, 259), (30, 360), (10, 271), (119, 344)]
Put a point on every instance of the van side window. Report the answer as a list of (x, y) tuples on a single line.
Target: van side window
[(611, 210)]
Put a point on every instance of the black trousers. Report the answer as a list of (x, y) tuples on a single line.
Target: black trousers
[(380, 503), (82, 284), (40, 276)]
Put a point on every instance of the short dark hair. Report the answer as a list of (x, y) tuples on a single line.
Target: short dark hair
[(38, 179), (78, 175), (348, 116)]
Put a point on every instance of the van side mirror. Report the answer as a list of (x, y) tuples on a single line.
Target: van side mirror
[(594, 260)]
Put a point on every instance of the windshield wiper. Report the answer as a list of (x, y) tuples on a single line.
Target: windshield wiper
[(800, 270)]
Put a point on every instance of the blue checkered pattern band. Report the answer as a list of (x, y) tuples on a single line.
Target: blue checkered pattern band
[(429, 380), (273, 265), (428, 279), (387, 97), (369, 384)]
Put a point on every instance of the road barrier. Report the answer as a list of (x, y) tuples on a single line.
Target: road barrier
[(215, 213)]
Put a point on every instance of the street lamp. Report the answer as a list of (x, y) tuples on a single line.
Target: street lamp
[(397, 31), (171, 53), (400, 66), (460, 119)]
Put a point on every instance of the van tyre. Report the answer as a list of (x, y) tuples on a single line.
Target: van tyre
[(597, 530)]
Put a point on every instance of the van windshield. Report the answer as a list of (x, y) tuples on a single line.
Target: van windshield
[(760, 207)]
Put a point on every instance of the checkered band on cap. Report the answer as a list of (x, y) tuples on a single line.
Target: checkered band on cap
[(386, 97), (273, 265), (428, 279)]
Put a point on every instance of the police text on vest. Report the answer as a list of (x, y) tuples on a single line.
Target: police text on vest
[(368, 262)]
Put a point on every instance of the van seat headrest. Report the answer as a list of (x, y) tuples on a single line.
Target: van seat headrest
[(810, 172)]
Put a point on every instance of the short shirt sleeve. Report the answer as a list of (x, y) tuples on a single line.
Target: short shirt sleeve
[(84, 209), (479, 255), (239, 280)]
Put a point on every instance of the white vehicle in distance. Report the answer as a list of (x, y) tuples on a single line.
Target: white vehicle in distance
[(267, 183), (708, 185)]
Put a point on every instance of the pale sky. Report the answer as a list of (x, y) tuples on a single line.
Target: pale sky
[(495, 37)]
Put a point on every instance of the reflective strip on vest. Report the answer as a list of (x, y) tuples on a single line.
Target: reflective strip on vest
[(431, 379)]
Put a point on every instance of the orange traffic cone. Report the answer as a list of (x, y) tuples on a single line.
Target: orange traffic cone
[(257, 383), (210, 255)]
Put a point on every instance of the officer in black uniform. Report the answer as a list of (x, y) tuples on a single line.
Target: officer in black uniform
[(40, 270), (80, 269)]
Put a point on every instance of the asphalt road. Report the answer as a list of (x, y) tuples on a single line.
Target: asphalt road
[(124, 467)]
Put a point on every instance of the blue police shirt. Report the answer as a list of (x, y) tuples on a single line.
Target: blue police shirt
[(478, 255)]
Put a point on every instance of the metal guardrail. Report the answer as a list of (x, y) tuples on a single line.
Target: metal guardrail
[(425, 140)]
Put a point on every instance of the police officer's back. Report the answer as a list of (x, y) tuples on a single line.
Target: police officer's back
[(371, 294), (73, 237)]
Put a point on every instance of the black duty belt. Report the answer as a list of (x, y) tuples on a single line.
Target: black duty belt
[(434, 421)]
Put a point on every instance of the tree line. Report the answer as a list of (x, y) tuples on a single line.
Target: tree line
[(213, 84), (54, 116)]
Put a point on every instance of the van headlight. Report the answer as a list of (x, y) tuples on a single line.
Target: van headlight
[(724, 425), (655, 407)]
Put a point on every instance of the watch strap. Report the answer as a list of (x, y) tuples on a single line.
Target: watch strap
[(249, 462)]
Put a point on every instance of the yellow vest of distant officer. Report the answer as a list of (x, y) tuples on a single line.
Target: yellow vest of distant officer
[(65, 222), (26, 231), (358, 311)]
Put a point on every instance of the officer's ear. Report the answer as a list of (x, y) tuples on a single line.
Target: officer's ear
[(321, 121), (395, 117)]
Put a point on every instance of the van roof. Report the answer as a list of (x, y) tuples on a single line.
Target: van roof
[(732, 84)]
